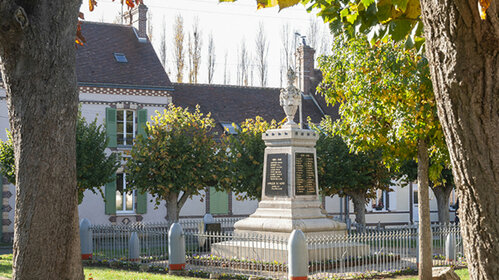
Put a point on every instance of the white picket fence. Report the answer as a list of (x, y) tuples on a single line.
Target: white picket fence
[(329, 255)]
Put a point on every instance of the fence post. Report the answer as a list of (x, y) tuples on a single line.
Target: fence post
[(134, 248), (85, 239), (297, 256), (450, 247), (417, 247), (176, 248)]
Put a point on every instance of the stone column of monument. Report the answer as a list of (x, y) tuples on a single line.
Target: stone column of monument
[(290, 195)]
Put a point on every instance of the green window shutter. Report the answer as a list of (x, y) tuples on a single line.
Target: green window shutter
[(111, 127), (141, 207), (219, 202), (110, 195), (141, 121)]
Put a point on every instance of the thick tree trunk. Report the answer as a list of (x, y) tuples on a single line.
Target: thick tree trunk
[(172, 210), (464, 61), (425, 236), (442, 194), (359, 207), (38, 66)]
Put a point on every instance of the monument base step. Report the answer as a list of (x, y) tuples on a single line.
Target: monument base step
[(268, 251)]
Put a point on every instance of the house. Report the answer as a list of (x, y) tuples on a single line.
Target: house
[(122, 83)]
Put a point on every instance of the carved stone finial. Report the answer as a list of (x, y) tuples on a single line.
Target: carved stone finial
[(290, 98)]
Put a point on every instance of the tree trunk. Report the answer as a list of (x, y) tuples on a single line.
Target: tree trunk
[(172, 210), (359, 207), (425, 236), (442, 194), (38, 65), (464, 61)]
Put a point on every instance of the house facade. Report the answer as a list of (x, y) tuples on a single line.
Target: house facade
[(122, 83)]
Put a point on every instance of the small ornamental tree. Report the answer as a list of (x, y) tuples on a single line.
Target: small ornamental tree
[(94, 168), (342, 172), (177, 158), (387, 102), (245, 157)]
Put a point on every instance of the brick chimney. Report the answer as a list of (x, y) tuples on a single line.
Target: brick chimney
[(305, 68), (137, 17)]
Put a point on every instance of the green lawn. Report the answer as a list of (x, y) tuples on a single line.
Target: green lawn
[(98, 273), (111, 274)]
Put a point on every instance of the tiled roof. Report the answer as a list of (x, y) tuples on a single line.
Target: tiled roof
[(96, 63), (236, 104)]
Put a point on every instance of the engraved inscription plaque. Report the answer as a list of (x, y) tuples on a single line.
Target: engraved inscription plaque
[(276, 179), (305, 174)]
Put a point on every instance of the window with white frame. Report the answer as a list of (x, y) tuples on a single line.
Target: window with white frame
[(125, 198), (125, 127)]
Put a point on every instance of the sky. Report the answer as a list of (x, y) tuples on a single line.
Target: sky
[(230, 23)]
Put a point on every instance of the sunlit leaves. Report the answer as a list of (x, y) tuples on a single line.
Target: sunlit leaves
[(386, 98), (178, 154), (271, 3), (483, 5), (91, 5), (379, 20)]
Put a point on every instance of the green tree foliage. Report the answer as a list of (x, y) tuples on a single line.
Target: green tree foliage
[(386, 99), (177, 158), (342, 172), (246, 154), (399, 20), (387, 102), (94, 167), (7, 164)]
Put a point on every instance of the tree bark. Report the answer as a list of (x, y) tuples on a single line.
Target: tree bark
[(463, 53), (425, 236), (359, 207), (38, 66), (172, 210), (442, 194)]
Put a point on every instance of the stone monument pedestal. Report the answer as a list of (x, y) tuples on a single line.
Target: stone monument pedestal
[(290, 197)]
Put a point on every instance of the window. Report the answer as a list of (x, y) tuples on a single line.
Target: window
[(125, 199), (120, 57), (382, 200), (125, 127)]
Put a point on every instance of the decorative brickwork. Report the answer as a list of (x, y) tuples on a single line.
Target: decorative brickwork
[(126, 104), (6, 194), (6, 222), (6, 208), (139, 218), (112, 219), (124, 91)]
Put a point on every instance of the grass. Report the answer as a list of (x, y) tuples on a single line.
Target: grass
[(6, 265), (111, 274), (98, 273), (101, 273)]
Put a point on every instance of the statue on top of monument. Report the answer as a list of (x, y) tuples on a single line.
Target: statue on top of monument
[(290, 98)]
